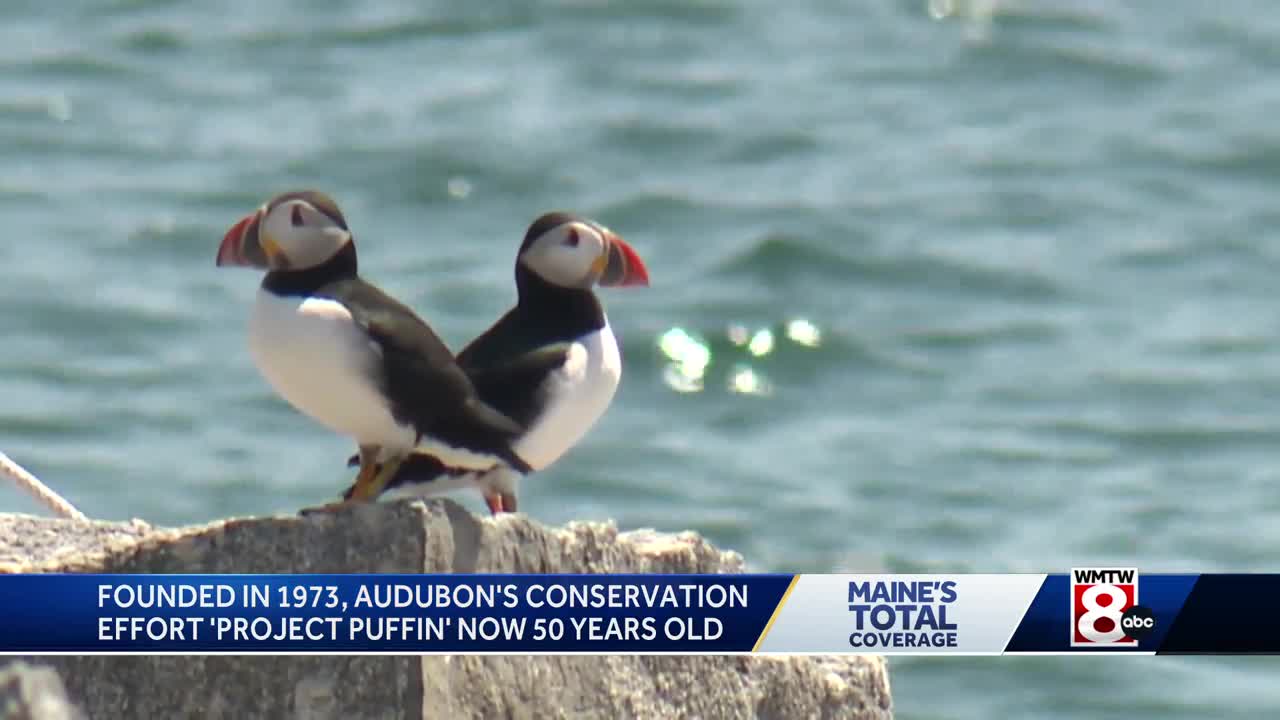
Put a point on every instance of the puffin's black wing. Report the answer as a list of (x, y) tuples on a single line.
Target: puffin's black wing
[(506, 374), (505, 339), (518, 387), (510, 362), (419, 375)]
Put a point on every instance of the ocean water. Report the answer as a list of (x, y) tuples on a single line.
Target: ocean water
[(963, 285)]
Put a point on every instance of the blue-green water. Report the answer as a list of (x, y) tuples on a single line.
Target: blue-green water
[(1016, 262)]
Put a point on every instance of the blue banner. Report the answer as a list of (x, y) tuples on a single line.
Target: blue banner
[(385, 613), (1226, 614), (1093, 609)]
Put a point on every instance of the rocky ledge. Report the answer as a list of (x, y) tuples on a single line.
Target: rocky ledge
[(410, 537)]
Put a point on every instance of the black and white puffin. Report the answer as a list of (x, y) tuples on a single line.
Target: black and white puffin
[(551, 363), (352, 357)]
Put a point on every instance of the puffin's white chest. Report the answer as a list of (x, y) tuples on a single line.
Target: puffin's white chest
[(578, 394), (314, 355)]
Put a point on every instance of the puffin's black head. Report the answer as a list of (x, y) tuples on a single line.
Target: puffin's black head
[(293, 231), (574, 252)]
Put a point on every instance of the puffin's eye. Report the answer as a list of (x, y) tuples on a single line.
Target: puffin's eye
[(571, 239), (296, 217)]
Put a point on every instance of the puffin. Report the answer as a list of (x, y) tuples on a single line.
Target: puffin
[(551, 363), (350, 356)]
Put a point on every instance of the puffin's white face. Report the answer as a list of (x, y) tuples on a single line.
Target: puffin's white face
[(294, 231), (580, 254)]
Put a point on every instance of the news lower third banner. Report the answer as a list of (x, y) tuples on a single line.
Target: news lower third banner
[(1113, 610)]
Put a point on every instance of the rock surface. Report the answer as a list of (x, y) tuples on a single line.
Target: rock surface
[(34, 693), (413, 537)]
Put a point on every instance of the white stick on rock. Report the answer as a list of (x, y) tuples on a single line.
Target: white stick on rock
[(39, 490)]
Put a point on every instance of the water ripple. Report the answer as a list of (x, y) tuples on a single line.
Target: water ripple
[(776, 258)]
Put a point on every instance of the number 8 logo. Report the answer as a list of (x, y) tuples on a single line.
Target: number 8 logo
[(1112, 611)]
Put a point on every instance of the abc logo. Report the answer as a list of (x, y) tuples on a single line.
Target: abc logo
[(1137, 622)]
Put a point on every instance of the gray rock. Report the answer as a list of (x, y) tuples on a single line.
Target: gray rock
[(411, 537), (34, 693)]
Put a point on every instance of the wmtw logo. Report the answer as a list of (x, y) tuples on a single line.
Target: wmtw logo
[(1105, 610)]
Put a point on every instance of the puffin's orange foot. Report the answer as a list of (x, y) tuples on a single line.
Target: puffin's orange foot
[(494, 501), (326, 508), (500, 502)]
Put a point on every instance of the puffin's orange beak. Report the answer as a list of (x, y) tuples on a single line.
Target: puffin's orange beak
[(622, 266), (241, 245)]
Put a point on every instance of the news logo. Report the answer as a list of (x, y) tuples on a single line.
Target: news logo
[(1105, 610), (900, 614)]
